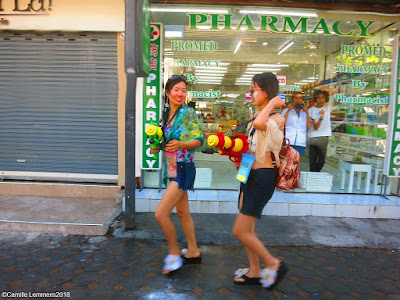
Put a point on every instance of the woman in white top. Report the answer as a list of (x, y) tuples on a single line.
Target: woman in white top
[(320, 130)]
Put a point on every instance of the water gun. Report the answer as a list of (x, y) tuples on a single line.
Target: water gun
[(234, 146), (155, 135)]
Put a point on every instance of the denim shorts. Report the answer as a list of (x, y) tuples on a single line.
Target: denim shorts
[(186, 173), (257, 191), (300, 149)]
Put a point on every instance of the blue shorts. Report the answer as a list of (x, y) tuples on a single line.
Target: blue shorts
[(300, 149), (257, 191), (186, 173)]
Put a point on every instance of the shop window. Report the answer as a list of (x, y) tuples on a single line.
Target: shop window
[(219, 53)]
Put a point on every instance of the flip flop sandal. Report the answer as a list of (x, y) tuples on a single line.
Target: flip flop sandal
[(240, 272), (270, 279), (248, 280), (190, 260), (172, 263)]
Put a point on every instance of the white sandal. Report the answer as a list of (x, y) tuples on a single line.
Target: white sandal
[(241, 272), (268, 277), (172, 263)]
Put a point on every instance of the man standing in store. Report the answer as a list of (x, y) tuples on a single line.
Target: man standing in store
[(320, 130), (297, 122)]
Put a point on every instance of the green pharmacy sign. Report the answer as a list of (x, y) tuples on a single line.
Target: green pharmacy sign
[(152, 94), (270, 23), (392, 159)]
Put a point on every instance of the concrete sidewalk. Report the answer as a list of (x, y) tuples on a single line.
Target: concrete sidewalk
[(277, 231)]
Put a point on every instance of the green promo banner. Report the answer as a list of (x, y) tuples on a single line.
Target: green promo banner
[(392, 159), (152, 96)]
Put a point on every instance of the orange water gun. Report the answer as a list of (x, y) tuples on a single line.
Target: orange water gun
[(233, 146)]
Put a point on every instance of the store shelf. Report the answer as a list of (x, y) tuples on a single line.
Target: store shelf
[(357, 123), (357, 136), (358, 149)]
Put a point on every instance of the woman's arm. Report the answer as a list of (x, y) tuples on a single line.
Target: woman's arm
[(175, 145), (260, 121)]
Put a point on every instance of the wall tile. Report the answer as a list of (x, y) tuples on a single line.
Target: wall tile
[(345, 211), (276, 209), (323, 210), (230, 207), (367, 211), (209, 207), (299, 209), (390, 212), (142, 205), (153, 205)]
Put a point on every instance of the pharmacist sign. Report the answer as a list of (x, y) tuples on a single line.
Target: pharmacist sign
[(392, 161), (152, 95)]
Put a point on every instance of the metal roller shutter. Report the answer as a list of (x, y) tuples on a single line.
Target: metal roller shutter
[(58, 100)]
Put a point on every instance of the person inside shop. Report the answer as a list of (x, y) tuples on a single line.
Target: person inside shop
[(320, 130), (297, 121), (183, 134), (266, 135)]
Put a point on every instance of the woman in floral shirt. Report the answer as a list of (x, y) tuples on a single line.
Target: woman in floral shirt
[(183, 135)]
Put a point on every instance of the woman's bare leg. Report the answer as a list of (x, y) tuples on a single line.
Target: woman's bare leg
[(171, 197), (243, 230), (182, 208)]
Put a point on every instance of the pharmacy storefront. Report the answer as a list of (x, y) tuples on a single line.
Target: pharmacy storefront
[(347, 55)]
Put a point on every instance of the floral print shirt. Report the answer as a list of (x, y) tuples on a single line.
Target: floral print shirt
[(185, 128)]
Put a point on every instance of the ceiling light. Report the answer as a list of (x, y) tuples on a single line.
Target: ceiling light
[(210, 73), (210, 79), (238, 46), (252, 70), (211, 68), (391, 40), (210, 76), (173, 34), (268, 65), (285, 48), (190, 10), (308, 13), (204, 78), (265, 43), (208, 82)]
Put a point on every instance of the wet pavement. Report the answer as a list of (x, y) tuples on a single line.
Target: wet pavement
[(108, 267)]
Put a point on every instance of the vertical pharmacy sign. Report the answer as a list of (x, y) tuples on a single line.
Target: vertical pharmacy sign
[(392, 158), (152, 95)]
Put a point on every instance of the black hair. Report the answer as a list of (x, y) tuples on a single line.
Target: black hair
[(171, 82), (297, 93), (268, 82), (317, 92)]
